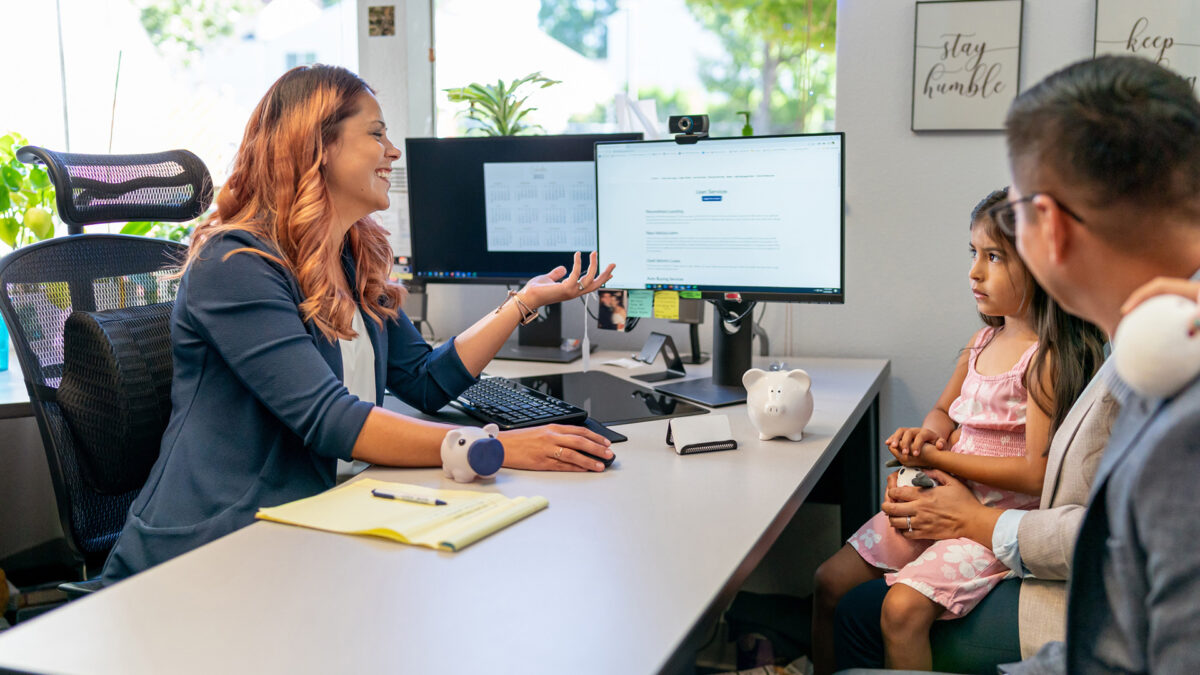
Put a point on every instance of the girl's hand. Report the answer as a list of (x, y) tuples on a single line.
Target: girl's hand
[(554, 447), (925, 458), (910, 440), (557, 286)]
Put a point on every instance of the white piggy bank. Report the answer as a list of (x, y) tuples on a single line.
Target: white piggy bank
[(1156, 349), (468, 452), (780, 402)]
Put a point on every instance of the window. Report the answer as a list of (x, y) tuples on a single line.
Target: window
[(150, 75), (671, 56)]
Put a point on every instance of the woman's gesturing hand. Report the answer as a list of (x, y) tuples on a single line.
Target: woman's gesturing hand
[(554, 447), (557, 285)]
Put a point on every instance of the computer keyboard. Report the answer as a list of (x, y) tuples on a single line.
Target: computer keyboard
[(512, 405)]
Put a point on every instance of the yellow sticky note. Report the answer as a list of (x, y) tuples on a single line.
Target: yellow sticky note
[(666, 304)]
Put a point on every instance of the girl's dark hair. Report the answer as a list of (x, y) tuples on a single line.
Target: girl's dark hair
[(1070, 350)]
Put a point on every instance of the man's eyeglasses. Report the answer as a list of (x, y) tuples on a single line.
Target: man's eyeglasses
[(1005, 215)]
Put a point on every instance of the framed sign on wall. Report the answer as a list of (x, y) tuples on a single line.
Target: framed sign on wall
[(1164, 31), (966, 64)]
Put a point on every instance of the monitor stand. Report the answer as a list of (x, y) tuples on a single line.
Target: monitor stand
[(732, 352), (541, 341)]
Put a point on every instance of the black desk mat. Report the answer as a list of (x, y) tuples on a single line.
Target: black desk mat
[(610, 399)]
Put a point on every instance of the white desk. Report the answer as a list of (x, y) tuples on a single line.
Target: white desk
[(14, 397), (619, 575)]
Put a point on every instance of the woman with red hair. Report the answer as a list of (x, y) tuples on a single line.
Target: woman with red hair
[(286, 331)]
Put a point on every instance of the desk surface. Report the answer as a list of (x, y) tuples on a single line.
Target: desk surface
[(14, 397), (609, 579)]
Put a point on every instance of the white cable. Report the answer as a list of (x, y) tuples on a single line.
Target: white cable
[(587, 344)]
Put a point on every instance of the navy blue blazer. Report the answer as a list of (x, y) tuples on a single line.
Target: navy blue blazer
[(259, 414)]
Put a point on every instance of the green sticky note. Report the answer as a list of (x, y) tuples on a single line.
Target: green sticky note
[(690, 295), (641, 304)]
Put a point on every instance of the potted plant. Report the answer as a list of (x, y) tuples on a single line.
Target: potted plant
[(26, 208), (496, 108)]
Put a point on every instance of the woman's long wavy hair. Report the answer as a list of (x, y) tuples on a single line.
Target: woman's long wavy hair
[(277, 192), (1070, 350)]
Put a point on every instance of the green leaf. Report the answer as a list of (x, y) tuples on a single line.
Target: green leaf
[(136, 228), (8, 230), (12, 177), (38, 178), (6, 142), (5, 200)]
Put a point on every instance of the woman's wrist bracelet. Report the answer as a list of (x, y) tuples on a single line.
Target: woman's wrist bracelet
[(528, 315)]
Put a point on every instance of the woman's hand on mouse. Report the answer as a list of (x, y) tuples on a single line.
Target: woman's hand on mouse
[(558, 285), (554, 447)]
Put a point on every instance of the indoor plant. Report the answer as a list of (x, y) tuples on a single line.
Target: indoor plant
[(496, 108), (26, 208)]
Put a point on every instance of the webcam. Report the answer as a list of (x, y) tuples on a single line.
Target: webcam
[(688, 128)]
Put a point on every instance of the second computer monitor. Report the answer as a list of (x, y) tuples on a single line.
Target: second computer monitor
[(760, 216), (501, 209), (738, 220)]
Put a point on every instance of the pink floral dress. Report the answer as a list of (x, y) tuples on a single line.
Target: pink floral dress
[(958, 573)]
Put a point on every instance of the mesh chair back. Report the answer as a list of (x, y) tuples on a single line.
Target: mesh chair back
[(40, 286), (116, 391), (171, 186)]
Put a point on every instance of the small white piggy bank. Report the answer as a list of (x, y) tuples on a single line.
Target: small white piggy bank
[(468, 452), (1157, 348), (780, 402)]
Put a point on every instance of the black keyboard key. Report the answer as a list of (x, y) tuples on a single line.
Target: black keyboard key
[(511, 405)]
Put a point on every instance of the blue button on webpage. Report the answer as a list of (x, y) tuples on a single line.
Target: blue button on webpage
[(710, 198)]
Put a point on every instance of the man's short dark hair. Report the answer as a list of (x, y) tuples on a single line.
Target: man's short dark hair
[(1122, 127)]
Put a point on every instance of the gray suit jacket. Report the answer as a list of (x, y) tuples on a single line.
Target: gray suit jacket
[(1046, 537), (1134, 600)]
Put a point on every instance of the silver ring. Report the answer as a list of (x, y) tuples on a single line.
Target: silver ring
[(558, 455), (909, 523), (579, 284)]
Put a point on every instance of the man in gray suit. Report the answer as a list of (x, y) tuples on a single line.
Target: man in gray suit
[(1105, 158)]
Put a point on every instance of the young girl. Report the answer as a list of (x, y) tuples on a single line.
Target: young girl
[(1029, 349)]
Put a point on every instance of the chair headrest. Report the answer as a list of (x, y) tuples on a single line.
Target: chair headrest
[(166, 186)]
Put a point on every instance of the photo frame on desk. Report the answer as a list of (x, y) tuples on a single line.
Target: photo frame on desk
[(1165, 31), (966, 64)]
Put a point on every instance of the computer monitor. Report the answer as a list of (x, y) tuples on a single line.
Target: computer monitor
[(502, 210), (739, 220)]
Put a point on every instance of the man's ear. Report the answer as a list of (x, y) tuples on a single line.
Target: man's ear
[(1055, 228)]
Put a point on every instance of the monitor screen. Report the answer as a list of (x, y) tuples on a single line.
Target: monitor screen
[(501, 209), (760, 216)]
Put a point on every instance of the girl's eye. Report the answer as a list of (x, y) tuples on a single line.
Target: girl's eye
[(994, 257), (377, 134), (973, 254)]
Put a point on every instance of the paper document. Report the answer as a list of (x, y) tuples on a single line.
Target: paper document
[(467, 517)]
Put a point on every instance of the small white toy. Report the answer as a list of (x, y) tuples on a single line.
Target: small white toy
[(1157, 348), (468, 452), (913, 477), (780, 402)]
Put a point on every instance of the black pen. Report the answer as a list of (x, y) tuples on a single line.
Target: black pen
[(405, 497)]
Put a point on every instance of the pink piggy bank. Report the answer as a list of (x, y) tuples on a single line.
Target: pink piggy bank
[(780, 403)]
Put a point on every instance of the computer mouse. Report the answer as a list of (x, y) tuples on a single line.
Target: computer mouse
[(607, 461)]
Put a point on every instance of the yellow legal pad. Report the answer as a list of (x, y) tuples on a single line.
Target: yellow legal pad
[(466, 518)]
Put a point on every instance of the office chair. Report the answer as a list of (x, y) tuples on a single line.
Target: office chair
[(89, 319)]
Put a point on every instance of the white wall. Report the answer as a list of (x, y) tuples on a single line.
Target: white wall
[(908, 200)]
